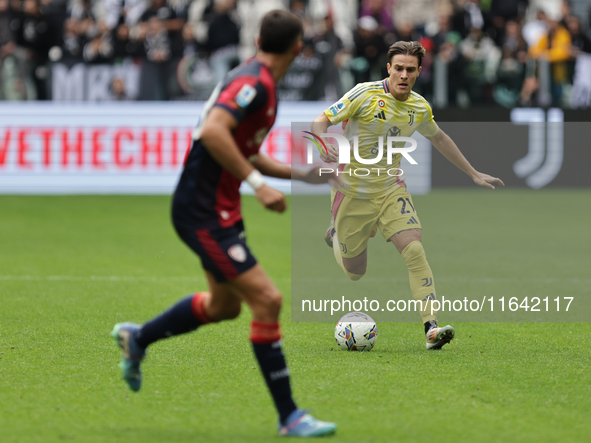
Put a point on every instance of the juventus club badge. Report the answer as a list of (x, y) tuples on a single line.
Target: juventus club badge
[(411, 118)]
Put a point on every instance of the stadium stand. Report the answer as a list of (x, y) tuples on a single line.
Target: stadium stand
[(479, 52)]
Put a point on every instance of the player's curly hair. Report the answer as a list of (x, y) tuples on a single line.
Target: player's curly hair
[(407, 48), (279, 31)]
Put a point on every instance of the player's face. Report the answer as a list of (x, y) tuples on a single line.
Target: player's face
[(403, 71)]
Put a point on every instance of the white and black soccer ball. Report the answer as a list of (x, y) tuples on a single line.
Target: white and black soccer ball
[(356, 331)]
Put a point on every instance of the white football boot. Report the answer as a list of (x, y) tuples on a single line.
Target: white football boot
[(437, 337)]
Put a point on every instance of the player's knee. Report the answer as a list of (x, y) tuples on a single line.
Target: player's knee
[(271, 300), (353, 276), (414, 255), (232, 311), (355, 270), (227, 311)]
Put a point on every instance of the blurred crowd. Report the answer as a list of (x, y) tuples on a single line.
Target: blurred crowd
[(478, 51)]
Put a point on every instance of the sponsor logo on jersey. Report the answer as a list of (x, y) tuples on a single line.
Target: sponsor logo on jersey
[(380, 115), (394, 131), (237, 253), (336, 108), (245, 96)]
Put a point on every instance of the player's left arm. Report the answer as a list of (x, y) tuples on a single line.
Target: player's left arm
[(444, 144), (271, 168)]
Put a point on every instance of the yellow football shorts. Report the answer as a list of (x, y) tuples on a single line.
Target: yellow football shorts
[(357, 219)]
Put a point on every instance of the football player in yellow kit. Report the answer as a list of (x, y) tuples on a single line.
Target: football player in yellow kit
[(378, 199)]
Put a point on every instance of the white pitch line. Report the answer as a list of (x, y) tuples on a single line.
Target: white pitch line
[(113, 278), (452, 280), (131, 278)]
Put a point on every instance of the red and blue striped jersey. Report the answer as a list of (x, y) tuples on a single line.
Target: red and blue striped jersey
[(207, 194)]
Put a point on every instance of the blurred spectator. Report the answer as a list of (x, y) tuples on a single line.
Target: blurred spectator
[(381, 11), (223, 38), (534, 30), (7, 37), (469, 17), (123, 44), (580, 43), (370, 51), (100, 43), (419, 13), (199, 18), (299, 8), (451, 55), (190, 45), (580, 65), (160, 31), (501, 11), (180, 8), (156, 41), (73, 43), (508, 9), (513, 41), (528, 91), (35, 34), (334, 57), (511, 71), (12, 86), (118, 89), (424, 83), (344, 14), (250, 13), (554, 47), (566, 13), (482, 59), (406, 32), (443, 28), (128, 11), (79, 28), (302, 80)]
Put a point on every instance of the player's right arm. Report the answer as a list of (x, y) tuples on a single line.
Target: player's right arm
[(217, 138), (342, 110), (320, 126)]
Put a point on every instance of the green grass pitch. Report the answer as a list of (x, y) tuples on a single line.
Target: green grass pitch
[(72, 266)]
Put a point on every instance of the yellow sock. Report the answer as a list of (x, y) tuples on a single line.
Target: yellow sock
[(336, 248), (421, 278)]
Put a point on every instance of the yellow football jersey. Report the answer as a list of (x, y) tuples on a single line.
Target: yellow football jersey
[(372, 111)]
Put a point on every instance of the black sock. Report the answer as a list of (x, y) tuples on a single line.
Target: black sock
[(179, 319), (430, 324), (274, 369)]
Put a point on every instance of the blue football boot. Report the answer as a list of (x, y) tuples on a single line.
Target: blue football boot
[(302, 424), (132, 354)]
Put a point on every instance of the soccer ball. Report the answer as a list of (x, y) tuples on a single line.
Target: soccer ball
[(356, 331)]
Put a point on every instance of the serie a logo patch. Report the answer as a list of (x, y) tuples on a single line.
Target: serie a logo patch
[(336, 108), (245, 96)]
